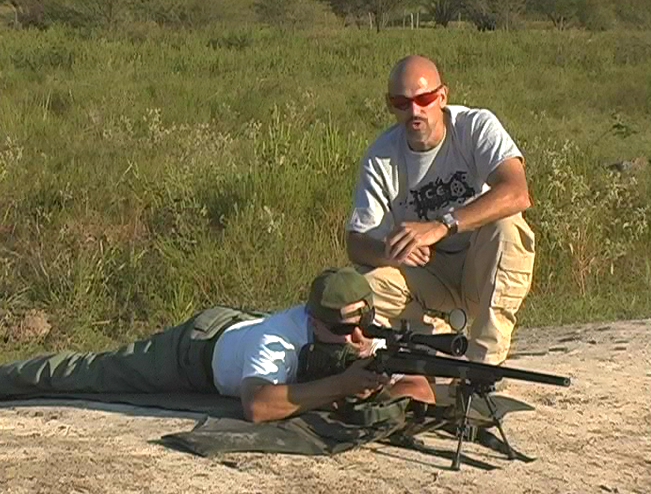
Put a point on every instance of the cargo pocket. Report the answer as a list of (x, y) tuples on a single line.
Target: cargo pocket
[(512, 280), (209, 322), (196, 353)]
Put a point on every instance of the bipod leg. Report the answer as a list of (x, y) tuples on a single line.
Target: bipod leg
[(498, 423), (466, 399)]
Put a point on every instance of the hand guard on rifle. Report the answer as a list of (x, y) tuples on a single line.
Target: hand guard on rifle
[(318, 360)]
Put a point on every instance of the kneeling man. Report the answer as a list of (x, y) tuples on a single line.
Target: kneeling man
[(437, 220)]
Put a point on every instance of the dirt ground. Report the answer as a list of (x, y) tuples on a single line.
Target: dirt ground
[(593, 437)]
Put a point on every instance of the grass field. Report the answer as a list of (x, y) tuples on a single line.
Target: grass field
[(147, 174)]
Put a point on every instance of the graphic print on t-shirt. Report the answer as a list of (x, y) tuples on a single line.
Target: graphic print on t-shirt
[(439, 194)]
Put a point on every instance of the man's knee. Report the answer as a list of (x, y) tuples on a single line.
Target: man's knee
[(392, 296), (385, 281), (513, 230)]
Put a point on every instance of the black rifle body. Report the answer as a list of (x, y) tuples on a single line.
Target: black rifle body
[(422, 363)]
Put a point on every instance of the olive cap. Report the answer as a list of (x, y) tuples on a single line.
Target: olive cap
[(336, 288)]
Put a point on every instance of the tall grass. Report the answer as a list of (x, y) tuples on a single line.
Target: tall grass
[(145, 177)]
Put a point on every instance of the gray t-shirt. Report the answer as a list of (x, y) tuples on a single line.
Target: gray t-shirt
[(397, 184)]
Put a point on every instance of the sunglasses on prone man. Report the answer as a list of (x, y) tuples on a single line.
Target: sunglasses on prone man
[(366, 319)]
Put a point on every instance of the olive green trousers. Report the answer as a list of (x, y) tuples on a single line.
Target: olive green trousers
[(177, 359)]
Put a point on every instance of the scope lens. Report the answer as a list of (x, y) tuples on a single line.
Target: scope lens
[(458, 319)]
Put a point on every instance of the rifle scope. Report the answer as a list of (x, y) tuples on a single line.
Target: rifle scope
[(450, 344)]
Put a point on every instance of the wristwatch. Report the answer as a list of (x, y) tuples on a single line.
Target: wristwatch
[(449, 220)]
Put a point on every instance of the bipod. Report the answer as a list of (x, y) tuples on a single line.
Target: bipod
[(465, 391)]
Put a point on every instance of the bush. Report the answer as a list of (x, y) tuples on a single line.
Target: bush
[(596, 15), (80, 14), (104, 13), (293, 13), (488, 15), (634, 13), (27, 13), (175, 12)]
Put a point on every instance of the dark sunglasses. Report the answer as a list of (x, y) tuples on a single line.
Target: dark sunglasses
[(422, 100), (342, 329)]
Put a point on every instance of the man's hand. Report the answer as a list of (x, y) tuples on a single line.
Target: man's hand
[(413, 236), (417, 387), (360, 382), (418, 257)]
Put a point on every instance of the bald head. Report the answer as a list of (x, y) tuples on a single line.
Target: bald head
[(412, 75), (417, 99)]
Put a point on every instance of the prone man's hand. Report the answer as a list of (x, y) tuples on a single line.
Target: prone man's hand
[(360, 382)]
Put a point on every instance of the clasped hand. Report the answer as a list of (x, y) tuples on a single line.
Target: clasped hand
[(410, 242)]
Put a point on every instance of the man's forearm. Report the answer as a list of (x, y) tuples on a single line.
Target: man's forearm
[(416, 387), (508, 195), (366, 250), (278, 401), (499, 202)]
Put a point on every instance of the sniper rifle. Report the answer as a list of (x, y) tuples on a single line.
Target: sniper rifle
[(407, 352)]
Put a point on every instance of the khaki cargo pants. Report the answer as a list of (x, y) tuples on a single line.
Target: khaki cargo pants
[(177, 359), (489, 280)]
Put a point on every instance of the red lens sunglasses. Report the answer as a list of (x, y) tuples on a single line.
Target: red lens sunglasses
[(422, 100)]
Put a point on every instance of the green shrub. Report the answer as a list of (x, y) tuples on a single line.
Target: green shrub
[(294, 13), (634, 13), (596, 15)]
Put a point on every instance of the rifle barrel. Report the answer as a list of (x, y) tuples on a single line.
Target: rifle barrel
[(429, 365)]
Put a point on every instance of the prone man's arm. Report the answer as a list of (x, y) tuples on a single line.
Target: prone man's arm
[(416, 387), (262, 400)]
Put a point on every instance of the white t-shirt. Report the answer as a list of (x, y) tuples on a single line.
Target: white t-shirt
[(266, 348), (397, 184)]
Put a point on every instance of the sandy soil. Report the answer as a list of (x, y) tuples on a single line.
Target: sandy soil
[(594, 437)]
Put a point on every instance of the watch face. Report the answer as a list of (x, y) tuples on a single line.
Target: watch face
[(448, 219)]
